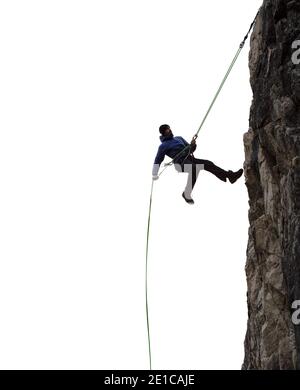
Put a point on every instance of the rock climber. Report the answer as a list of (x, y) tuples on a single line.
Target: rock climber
[(186, 162)]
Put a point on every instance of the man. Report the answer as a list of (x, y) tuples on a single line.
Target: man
[(178, 149)]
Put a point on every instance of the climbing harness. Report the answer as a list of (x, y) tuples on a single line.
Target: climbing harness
[(186, 151)]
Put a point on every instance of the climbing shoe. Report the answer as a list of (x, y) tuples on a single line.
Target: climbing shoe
[(188, 200), (234, 176)]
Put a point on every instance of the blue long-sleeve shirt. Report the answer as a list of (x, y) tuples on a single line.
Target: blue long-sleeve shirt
[(170, 146)]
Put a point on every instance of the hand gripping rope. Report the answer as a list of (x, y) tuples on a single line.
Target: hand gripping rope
[(188, 147)]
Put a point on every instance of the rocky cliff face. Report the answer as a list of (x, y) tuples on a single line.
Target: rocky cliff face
[(272, 171)]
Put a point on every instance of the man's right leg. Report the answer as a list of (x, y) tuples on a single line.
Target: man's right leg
[(192, 166), (193, 169)]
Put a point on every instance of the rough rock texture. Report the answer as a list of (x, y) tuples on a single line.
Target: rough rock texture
[(272, 171)]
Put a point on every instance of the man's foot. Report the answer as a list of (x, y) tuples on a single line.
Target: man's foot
[(234, 176), (187, 199)]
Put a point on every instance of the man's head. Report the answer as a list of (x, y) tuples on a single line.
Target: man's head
[(165, 130)]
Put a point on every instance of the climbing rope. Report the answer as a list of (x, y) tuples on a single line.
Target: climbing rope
[(242, 44), (146, 275)]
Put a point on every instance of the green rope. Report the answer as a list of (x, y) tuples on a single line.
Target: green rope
[(170, 163), (216, 95), (226, 75), (219, 90), (146, 276), (208, 111)]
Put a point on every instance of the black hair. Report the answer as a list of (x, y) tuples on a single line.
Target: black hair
[(163, 128)]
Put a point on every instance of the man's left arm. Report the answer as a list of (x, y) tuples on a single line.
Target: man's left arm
[(193, 145)]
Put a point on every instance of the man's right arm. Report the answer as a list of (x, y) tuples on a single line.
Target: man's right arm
[(158, 160)]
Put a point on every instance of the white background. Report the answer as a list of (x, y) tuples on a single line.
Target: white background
[(84, 86)]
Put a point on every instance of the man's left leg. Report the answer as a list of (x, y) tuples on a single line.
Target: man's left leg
[(212, 168), (219, 172), (193, 166)]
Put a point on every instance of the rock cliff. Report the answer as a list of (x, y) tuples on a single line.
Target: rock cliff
[(272, 172)]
